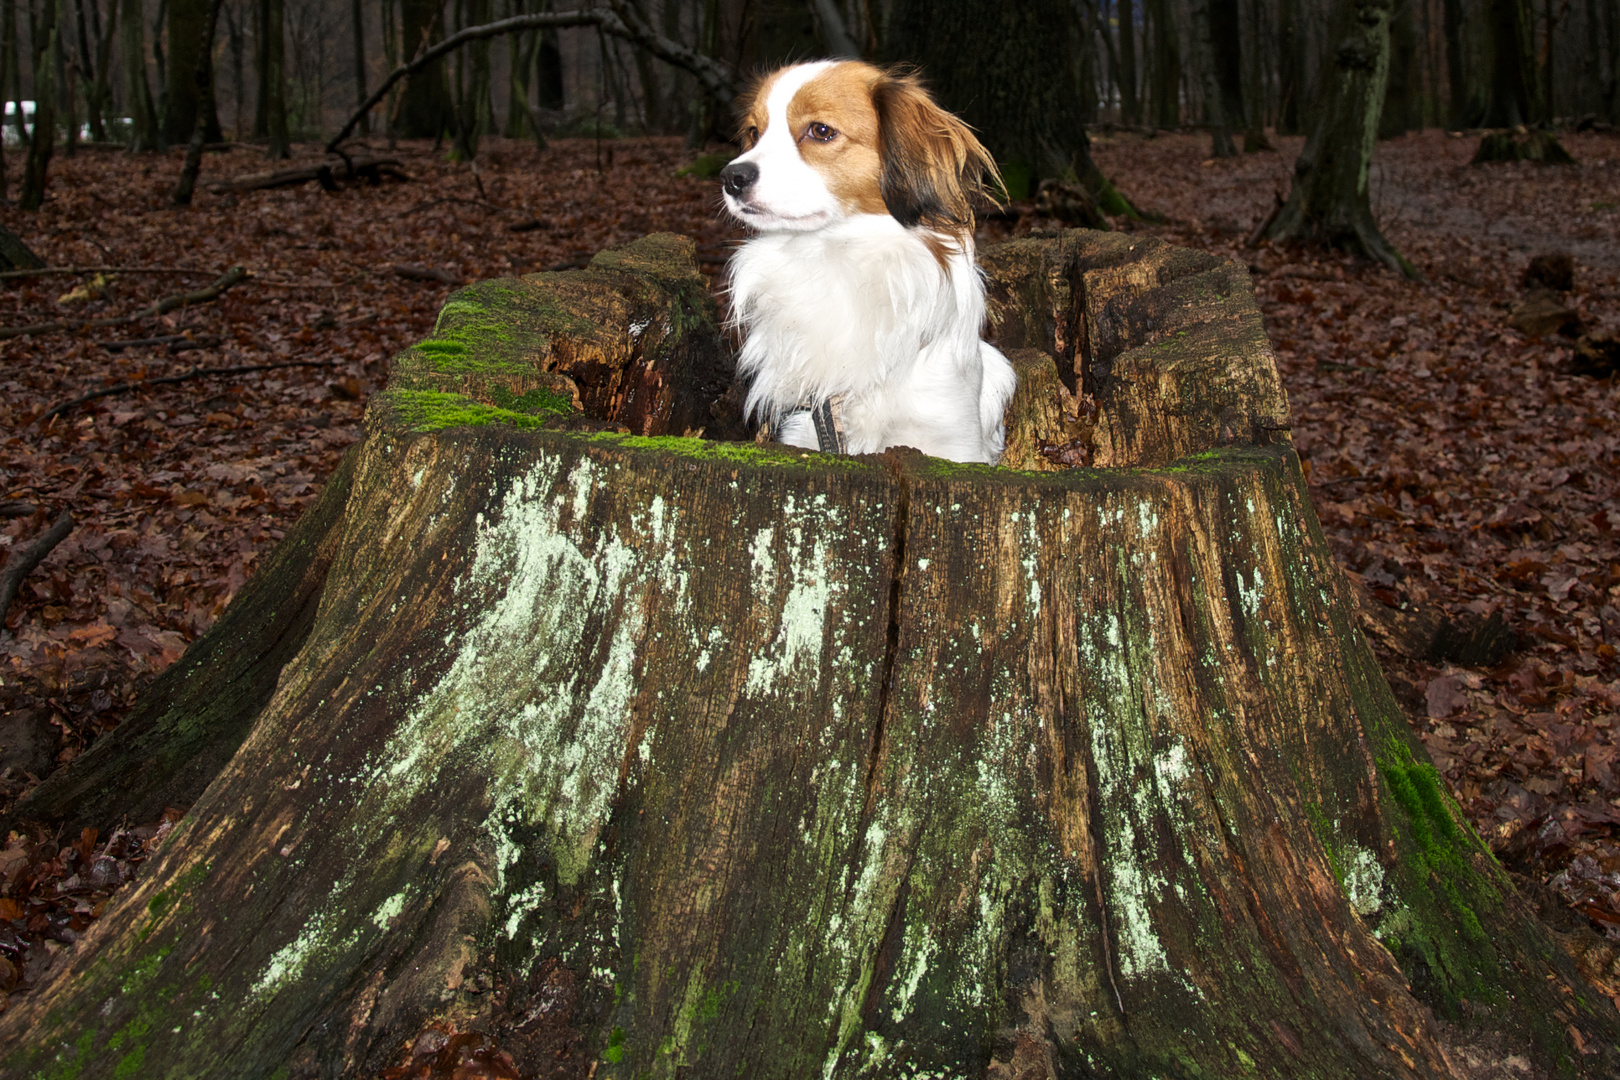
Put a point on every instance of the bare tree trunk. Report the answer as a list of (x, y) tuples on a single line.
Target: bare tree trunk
[(1329, 202), (270, 111), (67, 79), (204, 77), (13, 51), (1166, 93), (1463, 106), (425, 108), (1401, 93), (1209, 68), (144, 130), (358, 18), (1130, 102), (43, 34), (187, 20), (1513, 91)]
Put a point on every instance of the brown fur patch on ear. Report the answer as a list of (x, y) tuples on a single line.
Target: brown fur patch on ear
[(933, 166)]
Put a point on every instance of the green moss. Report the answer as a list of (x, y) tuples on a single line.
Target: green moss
[(434, 410), (741, 453), (1324, 836), (615, 1047), (130, 1064), (539, 400)]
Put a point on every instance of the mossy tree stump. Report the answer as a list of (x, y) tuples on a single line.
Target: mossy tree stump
[(707, 759)]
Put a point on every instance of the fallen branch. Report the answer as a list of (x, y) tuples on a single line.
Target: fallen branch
[(23, 561), (413, 272), (194, 373), (717, 78), (372, 169), (73, 271), (16, 508), (234, 276)]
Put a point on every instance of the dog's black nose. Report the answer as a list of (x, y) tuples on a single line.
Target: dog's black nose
[(738, 177)]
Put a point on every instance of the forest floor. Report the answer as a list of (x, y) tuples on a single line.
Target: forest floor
[(1459, 466)]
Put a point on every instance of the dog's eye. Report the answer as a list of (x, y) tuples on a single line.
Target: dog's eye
[(750, 137), (821, 132)]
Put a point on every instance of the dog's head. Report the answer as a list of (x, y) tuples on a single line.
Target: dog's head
[(828, 140)]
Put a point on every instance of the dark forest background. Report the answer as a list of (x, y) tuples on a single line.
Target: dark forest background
[(283, 70)]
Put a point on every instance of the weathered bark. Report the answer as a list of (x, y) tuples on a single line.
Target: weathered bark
[(36, 170), (1329, 202), (270, 109), (204, 80), (1130, 109), (1402, 110), (1166, 92), (144, 132), (424, 107), (740, 760), (187, 22)]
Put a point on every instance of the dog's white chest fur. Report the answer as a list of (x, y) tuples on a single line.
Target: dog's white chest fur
[(858, 285), (862, 310)]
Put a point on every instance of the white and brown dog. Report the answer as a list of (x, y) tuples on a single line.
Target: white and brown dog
[(857, 294)]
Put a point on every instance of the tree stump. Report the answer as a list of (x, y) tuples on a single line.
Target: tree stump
[(641, 755)]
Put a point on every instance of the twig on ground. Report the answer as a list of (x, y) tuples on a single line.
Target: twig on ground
[(194, 373), (234, 276), (23, 561), (72, 271), (16, 508), (372, 169), (413, 272)]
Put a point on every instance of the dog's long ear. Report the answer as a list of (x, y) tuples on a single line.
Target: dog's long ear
[(932, 164), (745, 132)]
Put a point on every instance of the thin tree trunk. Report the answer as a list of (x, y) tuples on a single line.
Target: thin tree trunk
[(270, 116), (235, 34), (425, 105), (1592, 100), (205, 108), (67, 80), (1166, 65), (1614, 65), (1330, 201), (1209, 68), (1399, 95), (358, 13), (187, 20), (43, 33), (160, 59), (13, 51), (1129, 101), (519, 68), (6, 60), (1462, 105), (144, 130)]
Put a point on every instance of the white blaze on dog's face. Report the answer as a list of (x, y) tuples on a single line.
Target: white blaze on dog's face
[(814, 153)]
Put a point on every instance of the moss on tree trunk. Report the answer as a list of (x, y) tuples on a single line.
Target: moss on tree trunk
[(741, 760)]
